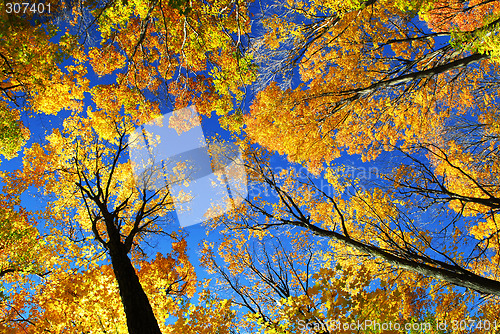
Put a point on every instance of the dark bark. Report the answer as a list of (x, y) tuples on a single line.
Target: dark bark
[(140, 316), (358, 93), (138, 311), (453, 65), (439, 270)]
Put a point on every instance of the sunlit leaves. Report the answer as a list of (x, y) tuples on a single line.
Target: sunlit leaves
[(13, 134), (105, 61)]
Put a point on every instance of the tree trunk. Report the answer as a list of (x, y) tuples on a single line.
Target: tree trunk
[(140, 316), (439, 270)]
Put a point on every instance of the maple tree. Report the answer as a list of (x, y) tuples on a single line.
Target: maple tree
[(96, 206), (360, 89), (373, 82), (95, 192), (371, 236), (399, 95), (100, 210)]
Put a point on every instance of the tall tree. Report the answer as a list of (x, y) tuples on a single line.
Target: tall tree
[(370, 77), (154, 63), (95, 194), (376, 229), (284, 281), (86, 169)]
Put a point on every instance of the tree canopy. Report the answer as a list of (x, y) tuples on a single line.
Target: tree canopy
[(368, 132)]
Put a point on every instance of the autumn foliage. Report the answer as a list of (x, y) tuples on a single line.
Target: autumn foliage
[(407, 89)]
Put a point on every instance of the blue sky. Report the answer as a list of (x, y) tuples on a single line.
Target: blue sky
[(196, 233)]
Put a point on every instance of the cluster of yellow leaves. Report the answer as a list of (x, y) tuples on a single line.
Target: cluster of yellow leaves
[(89, 300), (13, 133), (210, 315), (195, 40), (311, 124), (446, 15), (343, 295), (106, 60), (30, 74)]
